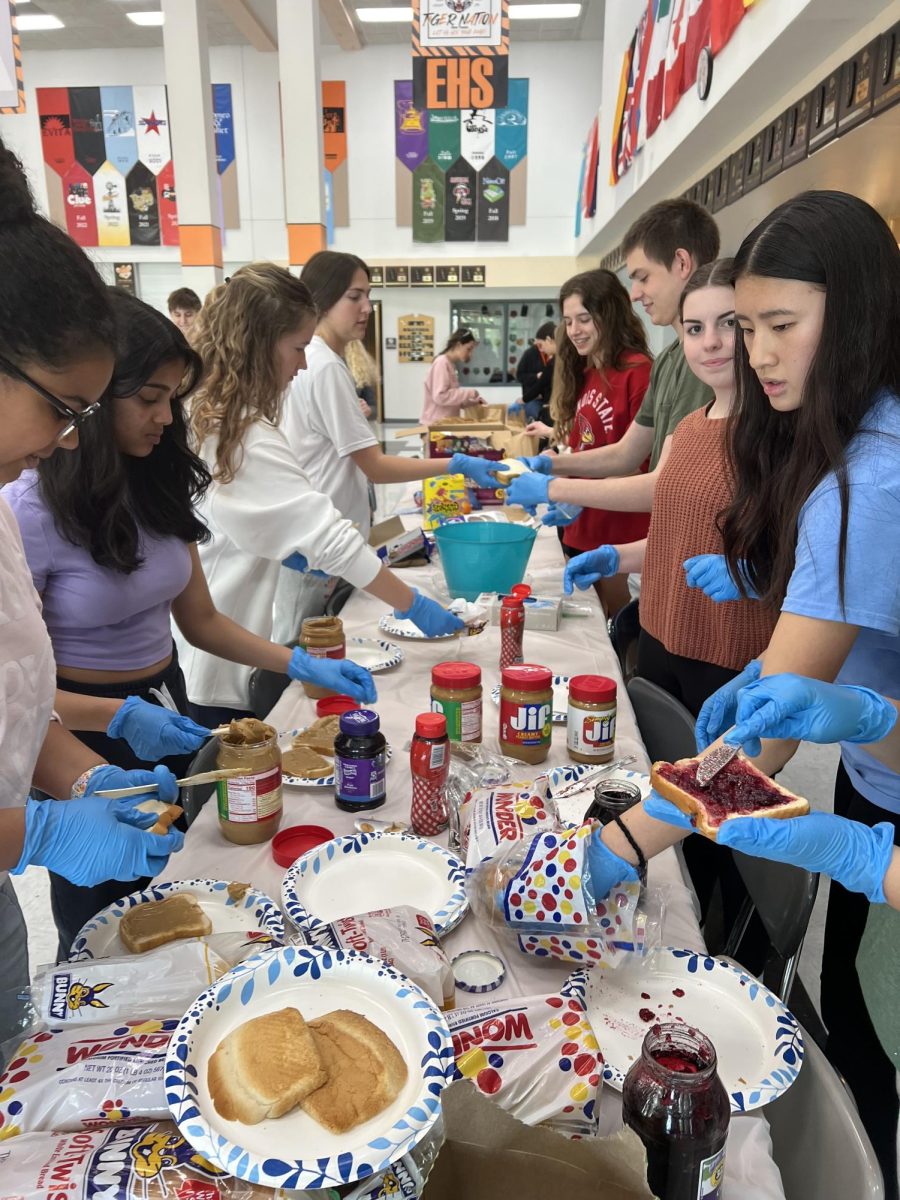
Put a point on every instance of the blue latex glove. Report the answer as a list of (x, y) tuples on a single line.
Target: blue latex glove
[(166, 788), (585, 569), (791, 706), (710, 573), (529, 490), (847, 851), (299, 562), (430, 617), (515, 408), (337, 674), (664, 810), (561, 514), (89, 841), (479, 470), (719, 709), (541, 463), (154, 732), (606, 868)]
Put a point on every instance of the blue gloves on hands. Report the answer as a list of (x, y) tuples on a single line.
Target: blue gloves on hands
[(430, 617), (541, 463), (154, 732), (791, 706), (337, 674), (479, 470), (585, 569), (164, 787), (719, 710), (91, 840), (561, 514), (664, 810), (606, 868), (710, 573), (529, 490), (299, 562)]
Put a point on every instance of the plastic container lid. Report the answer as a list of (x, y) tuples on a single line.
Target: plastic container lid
[(478, 971), (360, 722), (332, 705), (527, 677), (522, 590), (290, 844), (594, 689), (456, 675), (431, 725)]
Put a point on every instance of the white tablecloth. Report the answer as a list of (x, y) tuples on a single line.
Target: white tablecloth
[(580, 646)]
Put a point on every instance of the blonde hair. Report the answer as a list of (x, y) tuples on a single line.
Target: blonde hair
[(362, 365), (236, 334)]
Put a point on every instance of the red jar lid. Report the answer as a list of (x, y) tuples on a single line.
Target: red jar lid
[(527, 677), (517, 602), (595, 689), (456, 675), (522, 590), (431, 725), (330, 705), (290, 844)]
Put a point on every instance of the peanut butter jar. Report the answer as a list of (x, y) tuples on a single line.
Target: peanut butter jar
[(526, 712), (322, 637), (591, 718), (249, 804)]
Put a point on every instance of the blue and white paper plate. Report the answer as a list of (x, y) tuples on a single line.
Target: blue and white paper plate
[(374, 654), (294, 1151), (251, 910), (560, 698), (365, 871), (758, 1042), (572, 808), (285, 740)]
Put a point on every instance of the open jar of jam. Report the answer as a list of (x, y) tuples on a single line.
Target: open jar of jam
[(675, 1102)]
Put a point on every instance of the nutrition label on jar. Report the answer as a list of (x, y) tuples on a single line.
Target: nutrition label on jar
[(246, 798)]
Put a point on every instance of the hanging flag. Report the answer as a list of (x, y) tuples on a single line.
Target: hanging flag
[(589, 192), (81, 216), (493, 202), (223, 127), (112, 207), (725, 18), (688, 34), (443, 137), (477, 136), (143, 208), (511, 129), (578, 202), (56, 128), (652, 101), (119, 133), (617, 116), (624, 152), (410, 126), (428, 202), (168, 205), (152, 115), (636, 131), (460, 208), (87, 127)]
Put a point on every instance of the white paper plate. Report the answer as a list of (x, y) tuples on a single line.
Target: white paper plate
[(400, 627), (294, 1151), (560, 698), (572, 808), (99, 938), (758, 1043), (366, 871), (285, 741), (374, 655)]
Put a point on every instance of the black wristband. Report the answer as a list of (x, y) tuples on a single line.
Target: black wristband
[(641, 859)]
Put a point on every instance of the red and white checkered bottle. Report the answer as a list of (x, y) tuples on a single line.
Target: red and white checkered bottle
[(429, 762)]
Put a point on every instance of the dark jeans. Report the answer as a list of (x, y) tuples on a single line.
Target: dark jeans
[(72, 905), (212, 717), (853, 1046)]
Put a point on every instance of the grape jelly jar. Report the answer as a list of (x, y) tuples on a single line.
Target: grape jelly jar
[(359, 762), (675, 1102)]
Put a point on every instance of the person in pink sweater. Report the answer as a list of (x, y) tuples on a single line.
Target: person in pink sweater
[(443, 395)]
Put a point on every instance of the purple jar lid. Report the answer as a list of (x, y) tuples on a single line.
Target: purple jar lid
[(359, 722)]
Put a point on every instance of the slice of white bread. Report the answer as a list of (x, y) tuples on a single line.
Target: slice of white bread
[(507, 469), (724, 792), (166, 814), (320, 735), (158, 922), (264, 1068), (366, 1071), (304, 763)]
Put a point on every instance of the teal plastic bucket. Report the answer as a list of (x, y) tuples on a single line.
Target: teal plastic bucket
[(483, 556)]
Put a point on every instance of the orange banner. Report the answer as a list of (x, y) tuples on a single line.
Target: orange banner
[(334, 123)]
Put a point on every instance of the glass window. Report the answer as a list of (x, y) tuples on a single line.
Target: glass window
[(505, 329)]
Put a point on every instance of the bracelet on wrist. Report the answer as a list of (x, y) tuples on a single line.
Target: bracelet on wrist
[(80, 786)]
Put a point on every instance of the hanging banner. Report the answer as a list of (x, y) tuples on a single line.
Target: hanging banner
[(168, 206), (112, 207), (87, 127), (460, 53), (589, 188), (334, 139), (411, 126), (152, 113), (428, 203), (460, 205), (124, 277), (81, 216), (143, 208), (56, 128), (119, 133), (443, 138), (477, 137), (511, 125), (12, 85), (654, 86), (493, 203), (223, 127)]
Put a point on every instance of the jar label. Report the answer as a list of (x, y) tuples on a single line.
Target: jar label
[(463, 718), (325, 651), (590, 733), (525, 724), (712, 1176), (249, 798), (359, 779)]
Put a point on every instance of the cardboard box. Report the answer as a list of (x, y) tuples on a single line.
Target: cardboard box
[(489, 1155), (541, 612), (393, 543)]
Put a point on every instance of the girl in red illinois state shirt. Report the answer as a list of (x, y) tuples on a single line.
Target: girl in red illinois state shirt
[(602, 371)]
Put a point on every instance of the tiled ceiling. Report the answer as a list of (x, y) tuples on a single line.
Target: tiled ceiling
[(103, 25)]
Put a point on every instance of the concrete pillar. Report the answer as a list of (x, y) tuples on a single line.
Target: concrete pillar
[(301, 127), (193, 142)]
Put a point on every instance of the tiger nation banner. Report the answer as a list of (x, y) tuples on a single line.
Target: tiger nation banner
[(460, 53), (444, 137), (428, 203), (493, 203), (460, 203), (12, 83)]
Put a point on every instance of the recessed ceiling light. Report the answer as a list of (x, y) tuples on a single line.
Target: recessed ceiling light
[(381, 16), (518, 12), (30, 24), (146, 18)]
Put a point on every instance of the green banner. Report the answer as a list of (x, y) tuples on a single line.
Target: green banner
[(443, 137), (428, 203)]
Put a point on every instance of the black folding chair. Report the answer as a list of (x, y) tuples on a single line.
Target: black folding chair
[(194, 796), (624, 629)]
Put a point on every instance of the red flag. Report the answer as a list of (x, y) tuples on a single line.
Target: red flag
[(726, 16), (688, 34), (636, 126), (652, 103)]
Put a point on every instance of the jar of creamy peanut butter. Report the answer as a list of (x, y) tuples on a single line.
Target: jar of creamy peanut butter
[(322, 637), (249, 804)]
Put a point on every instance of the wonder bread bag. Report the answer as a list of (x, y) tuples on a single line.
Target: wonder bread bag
[(510, 812)]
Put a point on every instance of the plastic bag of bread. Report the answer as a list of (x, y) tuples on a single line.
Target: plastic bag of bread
[(494, 816), (535, 1055), (72, 1077)]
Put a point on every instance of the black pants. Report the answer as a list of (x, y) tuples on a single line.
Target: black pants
[(73, 905), (853, 1046)]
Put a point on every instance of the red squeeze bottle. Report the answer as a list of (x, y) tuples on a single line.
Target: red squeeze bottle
[(512, 627), (429, 762)]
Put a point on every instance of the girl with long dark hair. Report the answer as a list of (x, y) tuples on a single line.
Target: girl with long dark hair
[(443, 395)]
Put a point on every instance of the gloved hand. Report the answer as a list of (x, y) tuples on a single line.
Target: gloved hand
[(515, 409), (541, 463), (529, 490), (719, 709), (90, 840), (430, 617), (107, 777), (479, 470), (791, 706), (585, 569), (660, 809), (561, 514), (710, 573), (337, 674), (299, 562), (852, 853), (154, 732), (606, 868)]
